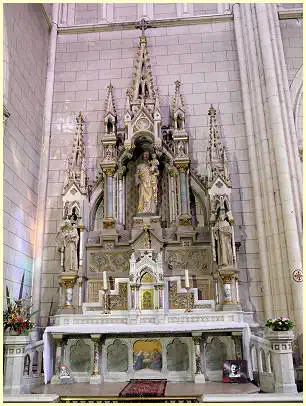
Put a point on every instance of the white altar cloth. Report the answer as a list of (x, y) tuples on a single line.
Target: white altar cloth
[(126, 329)]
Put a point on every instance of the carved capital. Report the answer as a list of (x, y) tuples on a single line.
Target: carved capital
[(182, 166), (171, 172), (196, 340), (227, 278), (109, 223), (68, 281), (109, 171), (185, 220)]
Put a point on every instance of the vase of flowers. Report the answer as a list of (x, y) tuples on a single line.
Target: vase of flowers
[(17, 316), (280, 324)]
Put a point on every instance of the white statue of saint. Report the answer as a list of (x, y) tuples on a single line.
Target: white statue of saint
[(71, 240), (146, 179), (223, 235)]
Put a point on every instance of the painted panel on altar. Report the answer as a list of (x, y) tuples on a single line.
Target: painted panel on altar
[(147, 302), (147, 355)]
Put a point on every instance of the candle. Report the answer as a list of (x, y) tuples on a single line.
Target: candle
[(104, 280), (186, 279)]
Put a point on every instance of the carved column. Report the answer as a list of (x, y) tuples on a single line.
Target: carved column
[(133, 296), (198, 370), (95, 374), (109, 221), (58, 344), (62, 258), (137, 298), (120, 197), (161, 296), (237, 340), (184, 217), (237, 279), (156, 297)]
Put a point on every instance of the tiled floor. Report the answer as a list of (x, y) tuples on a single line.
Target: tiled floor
[(172, 389)]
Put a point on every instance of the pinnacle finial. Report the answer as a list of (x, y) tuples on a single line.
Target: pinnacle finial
[(212, 111), (143, 25), (177, 84)]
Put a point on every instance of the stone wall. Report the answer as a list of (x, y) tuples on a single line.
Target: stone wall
[(25, 63), (204, 58), (292, 36)]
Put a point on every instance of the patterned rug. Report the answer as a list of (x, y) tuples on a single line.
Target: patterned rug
[(144, 387)]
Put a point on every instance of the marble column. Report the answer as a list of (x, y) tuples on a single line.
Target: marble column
[(58, 345), (254, 166), (95, 374), (109, 221), (283, 167), (120, 197), (43, 173), (184, 216), (137, 297), (197, 365)]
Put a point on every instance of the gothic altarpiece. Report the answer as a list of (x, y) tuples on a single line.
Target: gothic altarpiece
[(128, 306)]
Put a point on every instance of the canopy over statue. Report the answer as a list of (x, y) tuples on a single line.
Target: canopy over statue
[(146, 179)]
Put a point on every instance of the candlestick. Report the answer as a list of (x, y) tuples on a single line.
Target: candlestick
[(187, 278), (104, 280)]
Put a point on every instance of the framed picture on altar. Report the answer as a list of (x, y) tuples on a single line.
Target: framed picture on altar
[(235, 371)]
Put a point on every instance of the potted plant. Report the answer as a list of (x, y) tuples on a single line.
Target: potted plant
[(280, 324), (17, 316)]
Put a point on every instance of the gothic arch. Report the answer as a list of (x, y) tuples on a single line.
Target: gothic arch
[(96, 200)]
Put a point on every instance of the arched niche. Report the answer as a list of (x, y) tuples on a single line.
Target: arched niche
[(96, 208), (144, 142), (80, 356), (216, 352), (177, 356), (117, 357)]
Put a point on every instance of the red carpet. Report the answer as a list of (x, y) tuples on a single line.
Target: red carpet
[(144, 387)]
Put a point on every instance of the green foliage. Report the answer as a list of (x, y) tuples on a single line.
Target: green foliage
[(17, 315), (280, 324)]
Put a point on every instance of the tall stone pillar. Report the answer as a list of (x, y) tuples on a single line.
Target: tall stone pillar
[(43, 173)]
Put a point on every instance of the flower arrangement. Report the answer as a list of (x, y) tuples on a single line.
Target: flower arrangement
[(280, 324), (16, 318)]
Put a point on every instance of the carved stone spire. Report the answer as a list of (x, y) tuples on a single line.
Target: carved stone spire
[(110, 119), (178, 110), (157, 105), (76, 164), (216, 156), (142, 88)]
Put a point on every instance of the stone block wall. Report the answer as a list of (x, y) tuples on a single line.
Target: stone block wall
[(25, 62), (292, 36), (204, 58)]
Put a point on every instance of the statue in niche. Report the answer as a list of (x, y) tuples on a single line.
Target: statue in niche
[(223, 237), (146, 180), (70, 242)]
